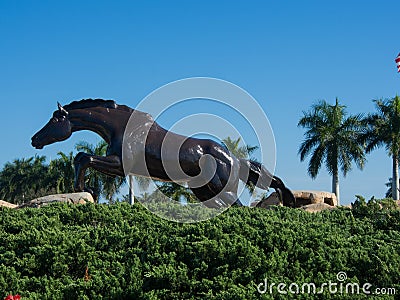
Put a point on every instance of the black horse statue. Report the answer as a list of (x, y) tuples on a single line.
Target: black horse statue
[(110, 121)]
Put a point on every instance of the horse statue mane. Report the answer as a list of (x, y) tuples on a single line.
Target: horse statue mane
[(89, 103)]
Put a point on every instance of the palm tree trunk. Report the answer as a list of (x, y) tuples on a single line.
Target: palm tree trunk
[(131, 191), (395, 178), (335, 186)]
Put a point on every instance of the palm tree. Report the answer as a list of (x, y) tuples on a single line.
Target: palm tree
[(237, 150), (62, 170), (332, 138), (384, 130), (25, 179), (101, 184), (142, 182), (389, 185), (176, 192)]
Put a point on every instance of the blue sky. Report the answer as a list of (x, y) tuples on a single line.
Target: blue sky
[(286, 54)]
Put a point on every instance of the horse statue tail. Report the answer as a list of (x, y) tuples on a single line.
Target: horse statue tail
[(252, 172)]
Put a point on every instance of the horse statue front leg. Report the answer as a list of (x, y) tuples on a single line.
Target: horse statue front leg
[(81, 163), (110, 165)]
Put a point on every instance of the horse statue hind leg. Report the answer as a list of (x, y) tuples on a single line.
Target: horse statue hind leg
[(286, 196), (255, 173), (219, 176), (226, 171), (220, 191)]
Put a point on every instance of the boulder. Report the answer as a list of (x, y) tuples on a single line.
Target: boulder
[(302, 198), (317, 207), (7, 204), (314, 197), (73, 198)]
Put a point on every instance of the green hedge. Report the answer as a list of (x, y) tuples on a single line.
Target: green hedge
[(125, 252)]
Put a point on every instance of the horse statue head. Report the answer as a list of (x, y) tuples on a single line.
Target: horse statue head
[(56, 130)]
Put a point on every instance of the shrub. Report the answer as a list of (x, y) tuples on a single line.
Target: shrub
[(124, 252)]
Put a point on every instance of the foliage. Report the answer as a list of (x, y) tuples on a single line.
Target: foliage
[(24, 179), (373, 207), (384, 130), (177, 192), (384, 126), (62, 170), (237, 150), (125, 252)]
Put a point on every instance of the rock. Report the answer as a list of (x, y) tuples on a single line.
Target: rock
[(317, 207), (271, 200), (314, 197), (302, 198), (73, 198), (7, 204)]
